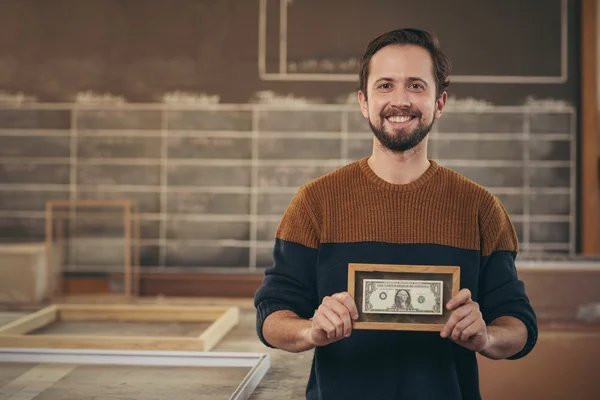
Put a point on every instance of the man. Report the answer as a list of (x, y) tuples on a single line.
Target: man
[(396, 207), (402, 299)]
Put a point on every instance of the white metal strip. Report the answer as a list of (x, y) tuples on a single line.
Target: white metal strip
[(132, 357)]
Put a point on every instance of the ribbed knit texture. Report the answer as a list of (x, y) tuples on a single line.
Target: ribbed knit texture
[(437, 208)]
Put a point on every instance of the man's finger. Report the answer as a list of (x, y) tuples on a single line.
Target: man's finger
[(472, 330), (457, 315), (462, 297), (348, 302), (344, 314), (323, 323), (335, 320), (463, 324)]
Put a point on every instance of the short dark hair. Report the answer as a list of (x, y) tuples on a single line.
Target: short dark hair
[(409, 36)]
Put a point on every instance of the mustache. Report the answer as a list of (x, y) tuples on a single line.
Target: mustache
[(399, 112)]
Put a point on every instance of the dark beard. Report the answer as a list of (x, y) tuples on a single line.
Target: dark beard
[(401, 143)]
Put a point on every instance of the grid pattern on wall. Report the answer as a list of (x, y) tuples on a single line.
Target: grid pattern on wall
[(212, 181)]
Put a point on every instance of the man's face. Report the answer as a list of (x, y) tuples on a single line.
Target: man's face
[(403, 296), (401, 105)]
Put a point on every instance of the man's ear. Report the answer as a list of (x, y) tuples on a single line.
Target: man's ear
[(364, 106), (440, 103)]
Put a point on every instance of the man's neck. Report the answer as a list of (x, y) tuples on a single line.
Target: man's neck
[(399, 168)]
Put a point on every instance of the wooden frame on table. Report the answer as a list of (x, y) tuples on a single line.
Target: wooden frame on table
[(449, 278), (222, 319), (259, 363), (131, 239)]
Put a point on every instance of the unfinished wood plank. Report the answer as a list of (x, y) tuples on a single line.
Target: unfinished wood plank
[(218, 329), (30, 322), (102, 342), (138, 312)]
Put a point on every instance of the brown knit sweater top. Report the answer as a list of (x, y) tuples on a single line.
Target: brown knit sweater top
[(353, 204)]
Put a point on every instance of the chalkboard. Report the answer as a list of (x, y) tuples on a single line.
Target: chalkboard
[(41, 146), (555, 232), (210, 230), (25, 200), (479, 149), (90, 174), (147, 50), (549, 176), (266, 230), (211, 114), (550, 150), (492, 176), (32, 119), (103, 227), (513, 203), (208, 203), (192, 175), (307, 149), (273, 203), (289, 176), (118, 146), (549, 204), (526, 48), (209, 120), (299, 121), (221, 147), (117, 119), (359, 148), (34, 173), (146, 201)]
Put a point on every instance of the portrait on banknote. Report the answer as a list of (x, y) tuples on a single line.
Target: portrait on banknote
[(402, 297)]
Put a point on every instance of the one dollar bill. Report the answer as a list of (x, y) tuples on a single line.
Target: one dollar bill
[(384, 296)]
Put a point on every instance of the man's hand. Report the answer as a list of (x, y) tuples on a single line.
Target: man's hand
[(466, 326), (333, 319)]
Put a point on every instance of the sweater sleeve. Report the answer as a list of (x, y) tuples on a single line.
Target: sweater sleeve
[(290, 282), (501, 292)]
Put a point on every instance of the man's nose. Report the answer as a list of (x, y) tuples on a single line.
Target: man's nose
[(400, 98)]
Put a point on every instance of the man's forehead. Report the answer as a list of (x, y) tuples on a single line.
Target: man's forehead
[(399, 61)]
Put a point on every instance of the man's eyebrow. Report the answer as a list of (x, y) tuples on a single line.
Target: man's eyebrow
[(409, 79), (384, 79), (416, 78)]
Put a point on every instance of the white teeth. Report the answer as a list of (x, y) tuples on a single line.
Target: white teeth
[(398, 119)]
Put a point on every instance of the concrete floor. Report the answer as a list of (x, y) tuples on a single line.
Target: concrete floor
[(565, 364)]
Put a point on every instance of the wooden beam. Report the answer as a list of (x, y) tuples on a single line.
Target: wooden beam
[(139, 313), (589, 131), (102, 342), (30, 322), (215, 332)]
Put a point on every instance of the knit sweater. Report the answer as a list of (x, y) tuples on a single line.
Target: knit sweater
[(351, 215)]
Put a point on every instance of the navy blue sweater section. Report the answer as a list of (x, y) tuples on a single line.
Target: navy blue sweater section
[(395, 365)]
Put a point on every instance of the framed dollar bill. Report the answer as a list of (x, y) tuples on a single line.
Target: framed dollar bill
[(402, 297)]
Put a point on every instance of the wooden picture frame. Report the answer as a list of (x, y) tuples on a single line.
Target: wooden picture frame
[(259, 363), (62, 209), (223, 320), (449, 276)]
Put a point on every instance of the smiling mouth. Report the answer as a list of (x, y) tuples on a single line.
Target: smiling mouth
[(398, 119)]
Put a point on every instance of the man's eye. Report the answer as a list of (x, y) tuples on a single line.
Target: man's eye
[(385, 86), (416, 86)]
